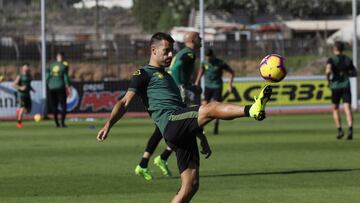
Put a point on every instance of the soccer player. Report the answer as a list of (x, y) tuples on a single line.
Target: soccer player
[(338, 70), (59, 86), (179, 125), (22, 84), (213, 68), (181, 69)]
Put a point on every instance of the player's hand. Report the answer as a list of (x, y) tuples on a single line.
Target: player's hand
[(22, 88), (102, 134), (68, 91), (205, 148)]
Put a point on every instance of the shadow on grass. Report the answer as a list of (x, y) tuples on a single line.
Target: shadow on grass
[(290, 172)]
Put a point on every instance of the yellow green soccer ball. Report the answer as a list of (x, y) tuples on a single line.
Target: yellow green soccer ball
[(37, 117), (272, 68)]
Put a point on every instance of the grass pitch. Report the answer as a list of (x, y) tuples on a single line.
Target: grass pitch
[(287, 158)]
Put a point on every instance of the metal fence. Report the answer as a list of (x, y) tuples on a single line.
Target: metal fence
[(117, 59)]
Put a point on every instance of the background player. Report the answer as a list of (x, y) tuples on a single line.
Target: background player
[(180, 125), (59, 86), (338, 70), (22, 84), (213, 68), (182, 68)]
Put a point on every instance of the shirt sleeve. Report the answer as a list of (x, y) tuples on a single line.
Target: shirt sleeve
[(330, 61), (138, 81)]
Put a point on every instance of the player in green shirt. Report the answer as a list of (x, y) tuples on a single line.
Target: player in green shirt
[(178, 124), (213, 68), (22, 84), (338, 70), (182, 66), (181, 69), (58, 83)]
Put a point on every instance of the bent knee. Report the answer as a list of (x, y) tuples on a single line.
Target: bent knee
[(208, 107)]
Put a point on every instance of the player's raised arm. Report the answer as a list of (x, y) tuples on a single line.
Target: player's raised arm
[(117, 112)]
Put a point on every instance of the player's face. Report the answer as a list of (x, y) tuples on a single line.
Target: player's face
[(164, 53), (25, 69), (59, 57)]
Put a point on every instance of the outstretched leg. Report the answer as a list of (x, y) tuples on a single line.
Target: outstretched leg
[(217, 110)]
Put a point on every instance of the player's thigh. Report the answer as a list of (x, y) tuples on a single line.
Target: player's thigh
[(346, 96), (217, 95), (187, 154), (61, 95), (28, 104), (336, 95), (208, 94)]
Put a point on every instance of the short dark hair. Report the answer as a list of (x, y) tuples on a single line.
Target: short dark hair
[(161, 36), (25, 64), (339, 46), (209, 52), (60, 53)]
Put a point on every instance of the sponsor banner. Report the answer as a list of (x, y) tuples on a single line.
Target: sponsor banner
[(294, 91), (9, 101), (99, 97)]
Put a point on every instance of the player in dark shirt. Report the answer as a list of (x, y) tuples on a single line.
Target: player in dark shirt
[(23, 85), (58, 83), (181, 69), (213, 69), (338, 70), (178, 124)]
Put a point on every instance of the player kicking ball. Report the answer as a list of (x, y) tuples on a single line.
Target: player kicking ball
[(179, 125)]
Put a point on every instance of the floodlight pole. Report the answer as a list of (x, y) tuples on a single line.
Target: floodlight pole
[(202, 35), (43, 58), (353, 80), (202, 27)]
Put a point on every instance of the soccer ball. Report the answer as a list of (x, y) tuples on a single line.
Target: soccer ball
[(272, 68), (37, 117)]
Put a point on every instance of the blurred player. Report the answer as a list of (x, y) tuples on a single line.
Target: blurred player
[(59, 87), (338, 70), (181, 68), (22, 84), (213, 69), (179, 125)]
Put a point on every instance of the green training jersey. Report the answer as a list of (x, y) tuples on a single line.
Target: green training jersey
[(341, 67), (213, 72), (182, 66), (56, 76), (159, 93), (25, 80)]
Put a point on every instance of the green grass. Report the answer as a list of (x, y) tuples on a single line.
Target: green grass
[(282, 159)]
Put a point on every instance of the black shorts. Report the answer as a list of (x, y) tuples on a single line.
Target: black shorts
[(180, 135), (25, 102), (338, 94), (213, 94)]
